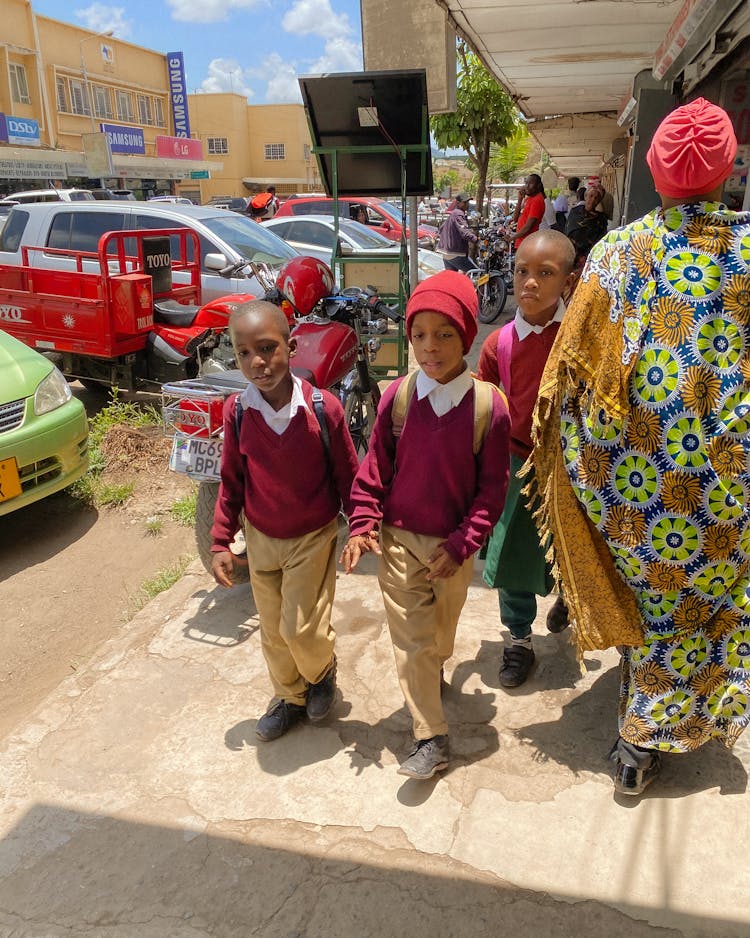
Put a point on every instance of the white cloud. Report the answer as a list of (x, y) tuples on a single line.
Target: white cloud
[(226, 75), (282, 87), (208, 11), (315, 17), (100, 19), (341, 55)]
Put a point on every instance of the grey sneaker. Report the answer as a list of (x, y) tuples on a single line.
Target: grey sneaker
[(428, 757), (280, 717)]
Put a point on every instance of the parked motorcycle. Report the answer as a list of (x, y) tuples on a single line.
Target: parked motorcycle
[(493, 276), (337, 339)]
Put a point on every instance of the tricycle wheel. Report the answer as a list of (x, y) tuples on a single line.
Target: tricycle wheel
[(208, 492)]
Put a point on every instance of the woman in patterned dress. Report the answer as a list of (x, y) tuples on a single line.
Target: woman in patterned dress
[(642, 454)]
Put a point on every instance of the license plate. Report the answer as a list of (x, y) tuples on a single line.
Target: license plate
[(10, 484), (482, 280), (200, 459)]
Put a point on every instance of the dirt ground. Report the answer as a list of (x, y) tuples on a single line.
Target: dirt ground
[(70, 574)]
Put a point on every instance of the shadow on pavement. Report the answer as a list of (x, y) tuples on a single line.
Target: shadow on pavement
[(65, 872), (582, 736), (220, 622)]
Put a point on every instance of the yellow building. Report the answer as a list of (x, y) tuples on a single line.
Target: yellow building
[(259, 145), (59, 83)]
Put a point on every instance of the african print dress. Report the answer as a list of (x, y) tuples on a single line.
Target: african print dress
[(668, 485)]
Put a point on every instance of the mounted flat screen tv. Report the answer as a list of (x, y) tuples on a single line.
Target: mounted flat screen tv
[(371, 109)]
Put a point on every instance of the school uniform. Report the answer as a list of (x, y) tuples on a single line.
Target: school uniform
[(515, 561), (423, 489), (279, 474)]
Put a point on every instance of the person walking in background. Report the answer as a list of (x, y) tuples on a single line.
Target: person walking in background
[(585, 225), (565, 202), (456, 236), (277, 424), (513, 358), (438, 424), (529, 209), (642, 447)]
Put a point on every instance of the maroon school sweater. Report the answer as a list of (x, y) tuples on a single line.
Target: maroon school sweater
[(429, 481), (284, 482), (527, 361)]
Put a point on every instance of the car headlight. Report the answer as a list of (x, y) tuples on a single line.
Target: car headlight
[(51, 393)]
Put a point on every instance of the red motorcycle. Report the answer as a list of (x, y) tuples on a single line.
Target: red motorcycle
[(337, 339)]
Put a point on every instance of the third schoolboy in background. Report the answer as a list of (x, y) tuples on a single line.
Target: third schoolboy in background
[(514, 357)]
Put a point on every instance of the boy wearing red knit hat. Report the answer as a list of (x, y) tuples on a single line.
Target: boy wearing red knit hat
[(426, 497)]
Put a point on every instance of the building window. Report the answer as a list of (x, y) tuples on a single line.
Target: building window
[(159, 111), (144, 110), (274, 151), (19, 89), (124, 106), (79, 96), (217, 145), (102, 101), (63, 102)]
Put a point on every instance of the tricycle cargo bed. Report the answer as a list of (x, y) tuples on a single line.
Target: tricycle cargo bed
[(105, 314)]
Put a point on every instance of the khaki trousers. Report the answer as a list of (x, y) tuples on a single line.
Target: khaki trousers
[(422, 617), (293, 581)]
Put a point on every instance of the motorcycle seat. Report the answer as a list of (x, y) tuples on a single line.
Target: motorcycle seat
[(175, 314)]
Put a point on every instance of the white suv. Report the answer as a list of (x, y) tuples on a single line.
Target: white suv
[(50, 195), (228, 240)]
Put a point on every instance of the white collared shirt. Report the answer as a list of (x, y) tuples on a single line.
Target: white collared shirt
[(443, 397), (277, 420), (524, 329)]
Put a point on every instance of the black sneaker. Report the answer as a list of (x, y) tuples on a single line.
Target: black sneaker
[(320, 696), (279, 718), (557, 617), (517, 663), (633, 779), (428, 757)]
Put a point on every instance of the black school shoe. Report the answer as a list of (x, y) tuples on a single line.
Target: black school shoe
[(635, 768), (279, 718), (557, 617), (517, 663), (320, 696), (428, 757)]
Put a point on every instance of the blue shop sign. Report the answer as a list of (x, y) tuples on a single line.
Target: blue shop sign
[(3, 129), (23, 130), (124, 139), (178, 94)]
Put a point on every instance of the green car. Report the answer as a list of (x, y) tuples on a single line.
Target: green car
[(43, 429)]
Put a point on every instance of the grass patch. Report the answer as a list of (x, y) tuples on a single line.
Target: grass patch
[(183, 510), (154, 526), (108, 495), (160, 581)]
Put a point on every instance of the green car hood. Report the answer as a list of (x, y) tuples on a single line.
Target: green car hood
[(21, 369)]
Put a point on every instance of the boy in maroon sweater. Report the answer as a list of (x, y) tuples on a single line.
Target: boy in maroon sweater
[(278, 472), (514, 357), (425, 502)]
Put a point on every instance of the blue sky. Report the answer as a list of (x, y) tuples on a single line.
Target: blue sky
[(253, 47)]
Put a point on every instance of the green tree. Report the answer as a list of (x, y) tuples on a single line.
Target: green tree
[(485, 114), (446, 180), (507, 160)]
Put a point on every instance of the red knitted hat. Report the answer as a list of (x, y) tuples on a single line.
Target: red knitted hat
[(693, 150), (452, 295)]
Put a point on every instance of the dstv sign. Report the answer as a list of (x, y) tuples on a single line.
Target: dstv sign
[(21, 130)]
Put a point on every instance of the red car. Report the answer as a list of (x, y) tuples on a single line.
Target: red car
[(381, 215)]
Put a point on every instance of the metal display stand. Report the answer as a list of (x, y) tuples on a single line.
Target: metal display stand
[(347, 117)]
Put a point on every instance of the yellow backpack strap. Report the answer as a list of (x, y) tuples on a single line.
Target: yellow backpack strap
[(402, 403), (483, 393)]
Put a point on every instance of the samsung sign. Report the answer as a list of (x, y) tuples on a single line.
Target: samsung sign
[(124, 139), (21, 130), (178, 94)]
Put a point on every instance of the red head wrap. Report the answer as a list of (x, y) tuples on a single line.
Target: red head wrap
[(452, 295), (693, 150)]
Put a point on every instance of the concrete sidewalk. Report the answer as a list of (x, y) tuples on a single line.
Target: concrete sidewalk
[(138, 801)]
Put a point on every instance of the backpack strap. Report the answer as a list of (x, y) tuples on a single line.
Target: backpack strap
[(237, 416), (320, 413), (483, 395), (402, 403), (504, 349)]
